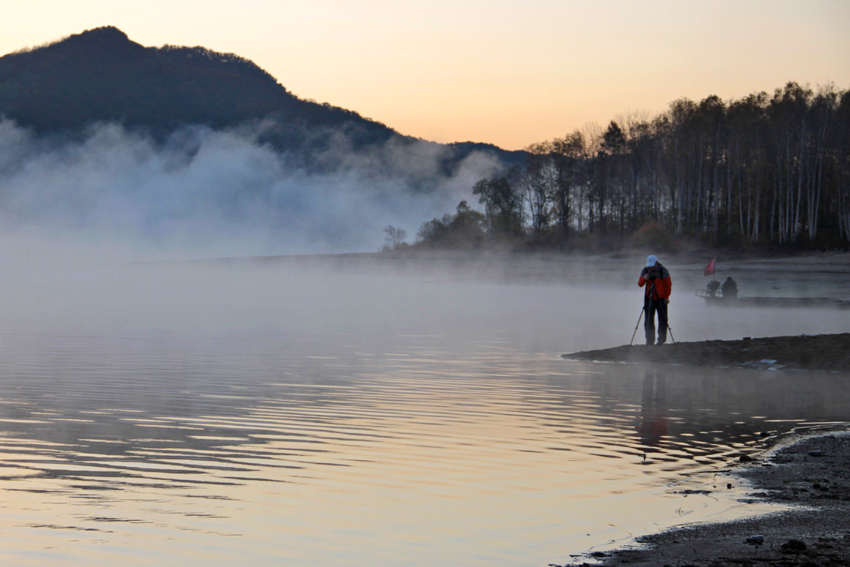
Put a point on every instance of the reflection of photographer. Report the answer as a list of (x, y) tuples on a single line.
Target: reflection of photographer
[(653, 419), (658, 284)]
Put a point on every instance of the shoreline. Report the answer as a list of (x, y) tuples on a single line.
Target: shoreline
[(830, 352), (810, 472)]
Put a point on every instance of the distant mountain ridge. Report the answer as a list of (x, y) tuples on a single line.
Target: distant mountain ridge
[(101, 75)]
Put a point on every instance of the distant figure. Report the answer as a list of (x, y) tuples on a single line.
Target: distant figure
[(712, 287), (729, 289), (658, 284)]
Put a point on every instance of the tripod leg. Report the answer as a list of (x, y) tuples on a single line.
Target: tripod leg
[(638, 325)]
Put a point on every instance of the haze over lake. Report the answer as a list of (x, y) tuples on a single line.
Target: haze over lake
[(300, 412)]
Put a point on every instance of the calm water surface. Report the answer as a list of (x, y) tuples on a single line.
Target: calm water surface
[(222, 417)]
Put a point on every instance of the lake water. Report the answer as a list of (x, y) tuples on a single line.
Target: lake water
[(299, 415)]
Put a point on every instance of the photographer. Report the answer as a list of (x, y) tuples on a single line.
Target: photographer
[(658, 284)]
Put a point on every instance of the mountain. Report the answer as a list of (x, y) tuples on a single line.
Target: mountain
[(101, 75)]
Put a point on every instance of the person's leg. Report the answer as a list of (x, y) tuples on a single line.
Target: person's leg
[(649, 322), (662, 322)]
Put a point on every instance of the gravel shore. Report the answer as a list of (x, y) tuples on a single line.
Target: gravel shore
[(811, 473)]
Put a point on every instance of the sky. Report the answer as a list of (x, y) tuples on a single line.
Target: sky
[(505, 72)]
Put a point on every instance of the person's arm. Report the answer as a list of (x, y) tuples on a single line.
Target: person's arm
[(668, 286)]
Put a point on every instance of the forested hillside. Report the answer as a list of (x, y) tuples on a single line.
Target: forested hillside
[(766, 170)]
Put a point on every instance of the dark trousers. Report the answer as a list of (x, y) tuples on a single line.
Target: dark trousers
[(653, 306)]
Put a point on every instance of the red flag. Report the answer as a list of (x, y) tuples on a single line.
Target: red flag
[(709, 270)]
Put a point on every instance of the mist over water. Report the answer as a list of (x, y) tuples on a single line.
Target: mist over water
[(113, 194), (357, 413)]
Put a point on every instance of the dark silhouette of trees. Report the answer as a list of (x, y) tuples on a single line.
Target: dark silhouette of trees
[(503, 206), (394, 238), (765, 170), (464, 229)]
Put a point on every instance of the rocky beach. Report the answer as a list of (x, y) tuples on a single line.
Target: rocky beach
[(810, 473)]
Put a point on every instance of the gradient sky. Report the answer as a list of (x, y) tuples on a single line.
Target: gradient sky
[(506, 72)]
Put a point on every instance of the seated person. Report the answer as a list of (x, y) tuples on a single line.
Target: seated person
[(729, 289)]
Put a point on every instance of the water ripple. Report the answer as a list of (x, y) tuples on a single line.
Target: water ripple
[(138, 438)]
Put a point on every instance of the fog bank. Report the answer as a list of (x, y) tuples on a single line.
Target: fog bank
[(116, 193)]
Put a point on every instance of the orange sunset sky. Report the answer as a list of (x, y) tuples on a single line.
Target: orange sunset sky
[(507, 72)]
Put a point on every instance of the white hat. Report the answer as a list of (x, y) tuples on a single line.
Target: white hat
[(651, 260)]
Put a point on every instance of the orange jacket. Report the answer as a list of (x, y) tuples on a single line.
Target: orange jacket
[(663, 283)]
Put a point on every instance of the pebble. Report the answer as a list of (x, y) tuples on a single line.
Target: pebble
[(793, 545)]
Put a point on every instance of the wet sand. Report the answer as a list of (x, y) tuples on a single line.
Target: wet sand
[(811, 473)]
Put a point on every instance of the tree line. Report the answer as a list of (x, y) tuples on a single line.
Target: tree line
[(765, 170)]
